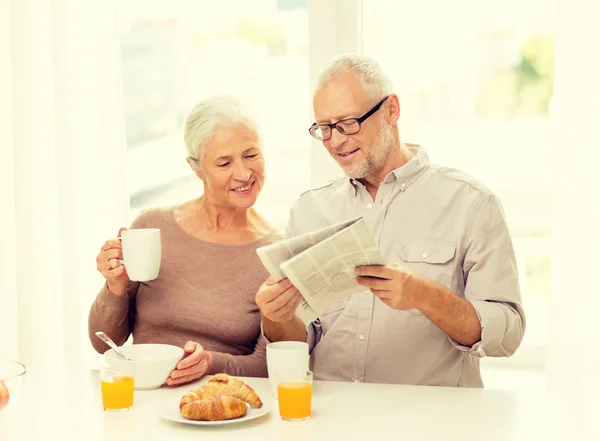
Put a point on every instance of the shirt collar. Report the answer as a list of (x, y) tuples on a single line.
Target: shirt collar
[(406, 174)]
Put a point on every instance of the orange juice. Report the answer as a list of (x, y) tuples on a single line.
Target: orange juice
[(117, 392), (4, 395), (294, 399)]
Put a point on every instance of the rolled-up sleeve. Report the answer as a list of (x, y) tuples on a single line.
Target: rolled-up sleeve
[(492, 282)]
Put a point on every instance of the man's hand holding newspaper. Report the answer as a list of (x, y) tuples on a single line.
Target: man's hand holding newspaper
[(321, 264)]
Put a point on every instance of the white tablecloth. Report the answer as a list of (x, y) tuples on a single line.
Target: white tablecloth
[(65, 404)]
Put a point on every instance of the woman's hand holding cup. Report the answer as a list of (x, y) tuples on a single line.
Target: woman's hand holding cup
[(109, 263)]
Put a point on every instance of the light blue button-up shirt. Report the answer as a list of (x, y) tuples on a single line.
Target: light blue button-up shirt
[(449, 228)]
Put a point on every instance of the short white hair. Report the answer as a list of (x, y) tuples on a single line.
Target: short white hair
[(375, 82), (207, 116)]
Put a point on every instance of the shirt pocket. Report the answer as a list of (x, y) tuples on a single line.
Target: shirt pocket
[(432, 259)]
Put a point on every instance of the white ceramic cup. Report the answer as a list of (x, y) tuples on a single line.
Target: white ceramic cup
[(141, 253), (286, 359)]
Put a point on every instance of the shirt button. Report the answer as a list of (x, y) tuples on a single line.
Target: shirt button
[(361, 337), (424, 255), (369, 205), (403, 185), (366, 292)]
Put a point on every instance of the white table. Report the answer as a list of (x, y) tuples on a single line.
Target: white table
[(66, 405)]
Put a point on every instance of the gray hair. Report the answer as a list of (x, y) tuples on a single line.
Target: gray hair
[(207, 116), (375, 82)]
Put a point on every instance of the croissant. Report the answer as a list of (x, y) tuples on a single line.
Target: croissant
[(198, 405), (227, 385), (223, 398)]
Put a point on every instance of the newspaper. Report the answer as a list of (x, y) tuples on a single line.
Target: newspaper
[(321, 264)]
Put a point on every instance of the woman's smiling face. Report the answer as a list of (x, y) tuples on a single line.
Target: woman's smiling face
[(233, 167)]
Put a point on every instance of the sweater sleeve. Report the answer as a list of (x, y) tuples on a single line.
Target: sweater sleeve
[(113, 315), (252, 365)]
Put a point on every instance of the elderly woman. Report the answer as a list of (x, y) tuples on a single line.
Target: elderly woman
[(203, 298)]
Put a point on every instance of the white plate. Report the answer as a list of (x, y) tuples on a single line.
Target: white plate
[(169, 410)]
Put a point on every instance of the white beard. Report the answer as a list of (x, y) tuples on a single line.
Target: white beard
[(375, 160)]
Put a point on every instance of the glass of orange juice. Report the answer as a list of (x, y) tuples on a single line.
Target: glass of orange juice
[(294, 394), (117, 386)]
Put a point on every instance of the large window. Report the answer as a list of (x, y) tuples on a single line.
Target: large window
[(176, 53), (475, 79)]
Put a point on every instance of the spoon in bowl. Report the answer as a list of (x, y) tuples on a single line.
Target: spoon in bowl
[(106, 339)]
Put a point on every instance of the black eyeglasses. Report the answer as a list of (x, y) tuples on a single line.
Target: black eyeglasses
[(349, 126)]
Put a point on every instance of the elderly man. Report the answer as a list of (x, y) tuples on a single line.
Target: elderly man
[(451, 295)]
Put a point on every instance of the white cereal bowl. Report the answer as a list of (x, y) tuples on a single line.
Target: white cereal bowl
[(152, 362)]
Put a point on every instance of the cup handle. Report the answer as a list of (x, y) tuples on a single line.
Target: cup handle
[(120, 259)]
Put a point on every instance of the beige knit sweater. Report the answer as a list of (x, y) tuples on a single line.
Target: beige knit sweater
[(204, 293)]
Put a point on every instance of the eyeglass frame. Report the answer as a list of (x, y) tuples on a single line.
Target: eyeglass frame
[(359, 120)]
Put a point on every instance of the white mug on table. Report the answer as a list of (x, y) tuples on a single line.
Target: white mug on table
[(286, 359), (141, 253)]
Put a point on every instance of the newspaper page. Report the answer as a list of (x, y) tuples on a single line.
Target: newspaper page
[(321, 264), (324, 273), (274, 255)]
